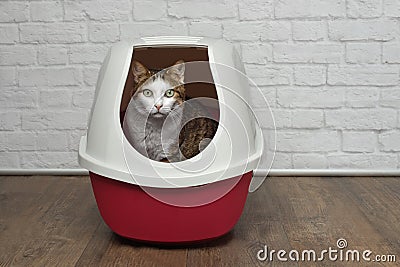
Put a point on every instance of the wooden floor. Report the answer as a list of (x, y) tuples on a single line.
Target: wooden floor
[(54, 221)]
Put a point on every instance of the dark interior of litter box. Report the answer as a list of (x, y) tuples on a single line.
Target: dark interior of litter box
[(198, 78), (164, 57)]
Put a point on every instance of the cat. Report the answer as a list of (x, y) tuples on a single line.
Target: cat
[(156, 96)]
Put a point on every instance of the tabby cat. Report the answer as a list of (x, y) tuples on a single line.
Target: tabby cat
[(158, 94)]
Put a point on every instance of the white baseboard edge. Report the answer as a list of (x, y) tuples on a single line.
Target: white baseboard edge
[(327, 172), (43, 172), (257, 172)]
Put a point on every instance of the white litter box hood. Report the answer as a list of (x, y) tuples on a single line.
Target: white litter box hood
[(236, 147)]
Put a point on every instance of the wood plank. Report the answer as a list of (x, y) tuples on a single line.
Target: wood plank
[(20, 207), (98, 244), (59, 225), (259, 225), (123, 252), (379, 200), (107, 249), (316, 214), (54, 221)]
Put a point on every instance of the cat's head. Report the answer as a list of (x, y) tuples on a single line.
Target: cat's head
[(157, 94)]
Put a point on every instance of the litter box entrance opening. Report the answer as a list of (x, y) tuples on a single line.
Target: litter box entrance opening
[(198, 92)]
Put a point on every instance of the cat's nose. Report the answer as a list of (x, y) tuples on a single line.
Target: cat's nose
[(158, 106)]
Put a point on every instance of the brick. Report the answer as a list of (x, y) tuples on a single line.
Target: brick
[(236, 46), (390, 141), (103, 32), (18, 98), (359, 141), (310, 161), (362, 30), (137, 30), (378, 75), (308, 30), (52, 160), (55, 98), (362, 97), (259, 97), (281, 161), (310, 8), (87, 54), (200, 9), (90, 75), (364, 8), (391, 53), (269, 75), (52, 55), (256, 9), (276, 31), (312, 141), (76, 10), (282, 118), (11, 11), (390, 97), (265, 97), (307, 119), (58, 120), (9, 160), (60, 33), (310, 97), (398, 119), (8, 76), (243, 31), (363, 161), (363, 53), (260, 53), (36, 120), (291, 51), (392, 8), (266, 120), (361, 119), (17, 55), (308, 53), (99, 10), (10, 121), (83, 99), (8, 34), (74, 138), (206, 29), (149, 10), (17, 141), (310, 75), (269, 136), (46, 11), (34, 77), (52, 141)]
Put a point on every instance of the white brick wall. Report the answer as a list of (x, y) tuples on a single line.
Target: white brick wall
[(330, 70)]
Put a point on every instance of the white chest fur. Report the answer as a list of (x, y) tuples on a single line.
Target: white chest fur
[(155, 138)]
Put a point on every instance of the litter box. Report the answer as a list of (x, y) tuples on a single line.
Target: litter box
[(189, 201)]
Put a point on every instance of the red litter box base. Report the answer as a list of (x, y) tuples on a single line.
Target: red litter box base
[(130, 212)]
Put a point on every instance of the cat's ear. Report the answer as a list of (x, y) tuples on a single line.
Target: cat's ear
[(177, 71), (140, 72)]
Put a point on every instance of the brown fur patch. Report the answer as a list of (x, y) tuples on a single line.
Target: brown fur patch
[(140, 75), (194, 132)]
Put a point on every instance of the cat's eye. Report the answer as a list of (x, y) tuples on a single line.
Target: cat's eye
[(147, 92), (170, 93)]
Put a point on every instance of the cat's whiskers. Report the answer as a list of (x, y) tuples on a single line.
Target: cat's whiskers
[(153, 120)]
